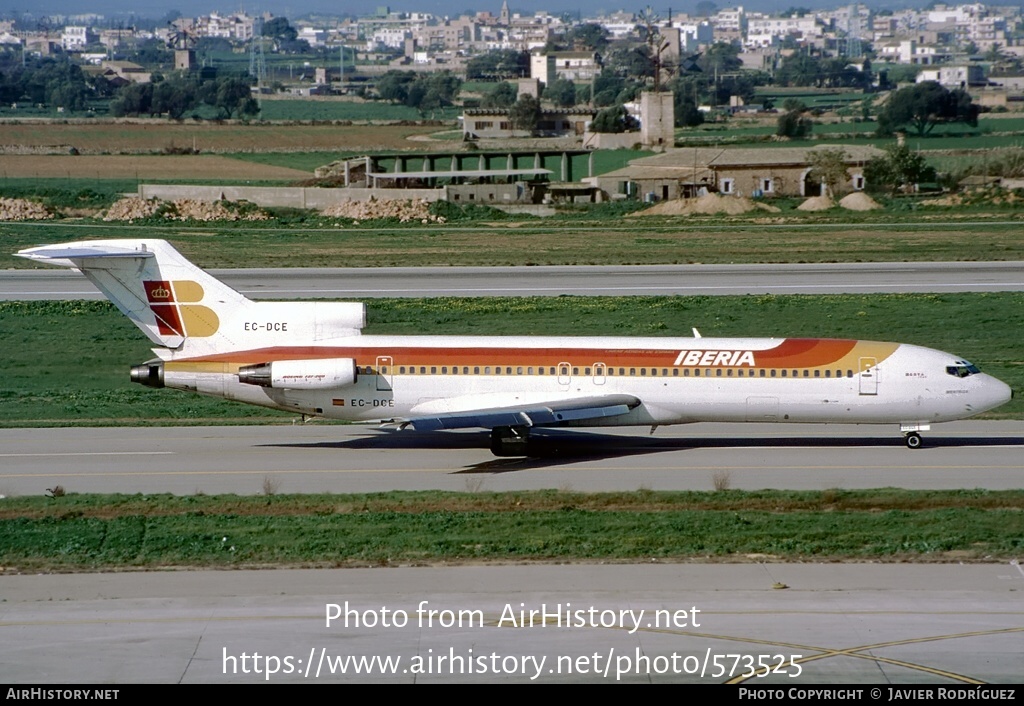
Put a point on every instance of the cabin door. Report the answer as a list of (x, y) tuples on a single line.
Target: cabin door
[(564, 375), (868, 376), (385, 372)]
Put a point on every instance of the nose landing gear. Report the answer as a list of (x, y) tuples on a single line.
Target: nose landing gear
[(912, 440)]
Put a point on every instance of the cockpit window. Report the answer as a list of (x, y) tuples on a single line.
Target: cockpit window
[(962, 369)]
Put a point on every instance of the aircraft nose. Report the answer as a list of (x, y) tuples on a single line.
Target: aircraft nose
[(997, 393)]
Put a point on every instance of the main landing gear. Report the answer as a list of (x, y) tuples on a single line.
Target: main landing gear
[(509, 441), (912, 440)]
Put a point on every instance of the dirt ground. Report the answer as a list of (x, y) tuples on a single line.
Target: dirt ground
[(155, 136), (140, 167)]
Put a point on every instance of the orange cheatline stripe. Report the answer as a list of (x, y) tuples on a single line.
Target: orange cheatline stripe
[(790, 353)]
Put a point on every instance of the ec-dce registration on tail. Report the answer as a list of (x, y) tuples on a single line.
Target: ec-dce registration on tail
[(311, 358)]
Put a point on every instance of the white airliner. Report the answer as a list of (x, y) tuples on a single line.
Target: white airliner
[(311, 358)]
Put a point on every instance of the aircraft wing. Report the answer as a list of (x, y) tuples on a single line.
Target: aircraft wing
[(534, 414)]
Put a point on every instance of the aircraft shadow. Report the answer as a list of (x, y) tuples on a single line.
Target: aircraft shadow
[(552, 447)]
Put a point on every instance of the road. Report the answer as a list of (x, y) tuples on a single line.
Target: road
[(355, 459), (360, 283)]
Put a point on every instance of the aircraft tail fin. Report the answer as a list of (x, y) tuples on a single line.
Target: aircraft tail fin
[(183, 308)]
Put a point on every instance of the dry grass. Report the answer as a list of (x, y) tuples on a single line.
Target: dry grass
[(140, 167), (153, 137)]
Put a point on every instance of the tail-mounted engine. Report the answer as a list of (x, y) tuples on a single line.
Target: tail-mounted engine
[(322, 374)]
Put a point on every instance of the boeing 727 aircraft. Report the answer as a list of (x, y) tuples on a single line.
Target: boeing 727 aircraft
[(312, 358)]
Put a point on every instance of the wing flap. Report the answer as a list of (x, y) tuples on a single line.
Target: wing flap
[(529, 415)]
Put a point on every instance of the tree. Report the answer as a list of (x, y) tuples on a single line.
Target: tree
[(499, 64), (587, 37), (503, 95), (923, 106), (424, 92), (792, 103), (525, 114), (829, 167), (278, 29), (394, 85), (794, 124), (898, 169), (561, 92), (720, 57), (614, 120), (174, 97), (687, 113)]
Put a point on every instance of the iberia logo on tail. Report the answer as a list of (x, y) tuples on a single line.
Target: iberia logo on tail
[(174, 304)]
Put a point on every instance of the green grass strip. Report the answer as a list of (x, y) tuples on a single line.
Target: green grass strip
[(94, 532)]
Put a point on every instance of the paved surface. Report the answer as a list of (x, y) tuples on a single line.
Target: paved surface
[(948, 625), (552, 281), (341, 459)]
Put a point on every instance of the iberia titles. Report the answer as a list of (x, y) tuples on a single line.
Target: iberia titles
[(731, 359)]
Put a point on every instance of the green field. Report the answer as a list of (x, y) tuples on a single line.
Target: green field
[(299, 109), (67, 362), (87, 532)]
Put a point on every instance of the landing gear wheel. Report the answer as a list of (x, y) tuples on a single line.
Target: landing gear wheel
[(913, 440)]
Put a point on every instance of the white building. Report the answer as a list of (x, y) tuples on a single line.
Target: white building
[(74, 38), (953, 77), (766, 32)]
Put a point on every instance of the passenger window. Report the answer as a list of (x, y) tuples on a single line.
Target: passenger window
[(423, 370), (433, 370), (402, 370)]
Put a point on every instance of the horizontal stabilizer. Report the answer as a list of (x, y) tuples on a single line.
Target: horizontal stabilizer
[(530, 415), (55, 254)]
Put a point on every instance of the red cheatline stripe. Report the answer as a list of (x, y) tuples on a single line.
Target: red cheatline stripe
[(797, 353)]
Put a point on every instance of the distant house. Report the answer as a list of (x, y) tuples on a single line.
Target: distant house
[(494, 123), (127, 71), (765, 172), (571, 65)]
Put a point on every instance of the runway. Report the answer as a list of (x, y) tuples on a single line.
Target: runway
[(948, 626), (316, 458), (361, 283)]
